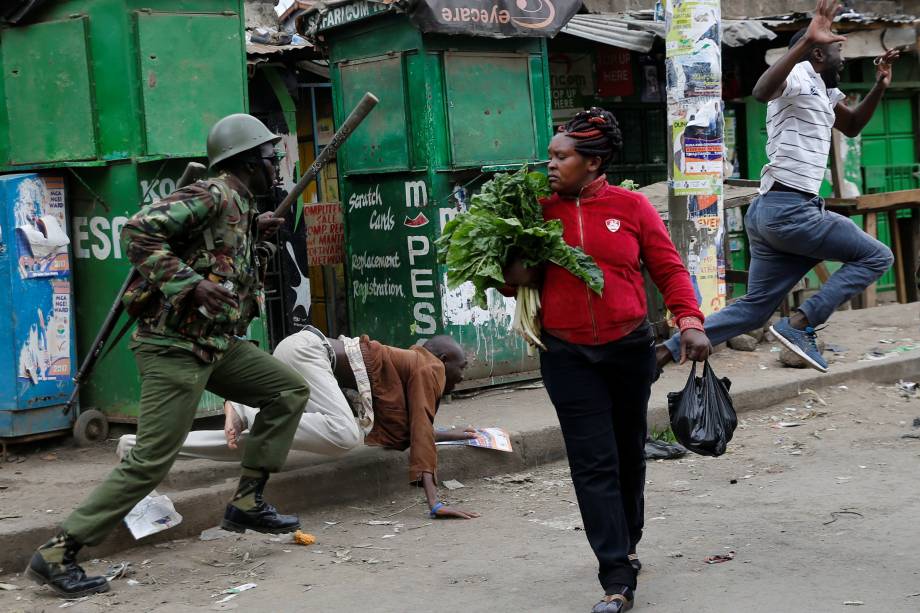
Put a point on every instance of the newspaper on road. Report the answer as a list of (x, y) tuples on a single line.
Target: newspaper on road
[(487, 438)]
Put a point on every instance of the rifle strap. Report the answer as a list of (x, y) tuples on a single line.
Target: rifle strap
[(118, 337)]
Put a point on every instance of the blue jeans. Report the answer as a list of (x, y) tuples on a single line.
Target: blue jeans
[(789, 234)]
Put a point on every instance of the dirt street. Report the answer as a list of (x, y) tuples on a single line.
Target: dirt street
[(821, 516)]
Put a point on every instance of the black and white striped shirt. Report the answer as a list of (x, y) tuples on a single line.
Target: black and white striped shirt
[(799, 125)]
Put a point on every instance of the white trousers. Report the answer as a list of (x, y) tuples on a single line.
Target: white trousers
[(327, 426)]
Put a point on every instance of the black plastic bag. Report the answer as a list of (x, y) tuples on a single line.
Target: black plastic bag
[(702, 415), (662, 450)]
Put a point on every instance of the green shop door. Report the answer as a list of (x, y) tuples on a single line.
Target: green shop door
[(453, 110)]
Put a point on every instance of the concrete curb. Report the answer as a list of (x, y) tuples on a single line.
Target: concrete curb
[(369, 473), (749, 397)]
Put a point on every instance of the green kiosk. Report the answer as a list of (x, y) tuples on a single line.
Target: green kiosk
[(464, 93), (115, 97)]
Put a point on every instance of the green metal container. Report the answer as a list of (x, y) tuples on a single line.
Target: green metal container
[(117, 97), (452, 110)]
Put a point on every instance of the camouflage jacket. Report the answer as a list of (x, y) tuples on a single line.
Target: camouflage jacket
[(205, 230)]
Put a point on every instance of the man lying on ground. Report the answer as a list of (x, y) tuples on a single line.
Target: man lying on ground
[(399, 391)]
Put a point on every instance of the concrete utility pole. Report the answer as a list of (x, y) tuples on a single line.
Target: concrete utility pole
[(695, 155)]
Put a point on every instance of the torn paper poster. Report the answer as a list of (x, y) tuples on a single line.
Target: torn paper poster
[(40, 219), (698, 148), (46, 237), (45, 352), (693, 26)]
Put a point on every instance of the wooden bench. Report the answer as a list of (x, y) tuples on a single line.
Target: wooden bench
[(905, 235)]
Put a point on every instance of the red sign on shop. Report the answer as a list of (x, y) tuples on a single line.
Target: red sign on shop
[(325, 233), (614, 72)]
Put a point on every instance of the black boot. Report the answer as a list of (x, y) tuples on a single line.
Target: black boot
[(55, 565), (247, 510)]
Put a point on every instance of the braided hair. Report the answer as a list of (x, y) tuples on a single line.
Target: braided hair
[(595, 132)]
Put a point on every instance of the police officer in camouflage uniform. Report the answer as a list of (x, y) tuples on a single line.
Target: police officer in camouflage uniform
[(201, 288)]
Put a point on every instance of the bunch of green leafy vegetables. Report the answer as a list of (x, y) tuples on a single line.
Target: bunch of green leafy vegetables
[(505, 219)]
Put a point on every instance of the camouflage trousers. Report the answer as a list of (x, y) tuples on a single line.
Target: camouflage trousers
[(173, 381)]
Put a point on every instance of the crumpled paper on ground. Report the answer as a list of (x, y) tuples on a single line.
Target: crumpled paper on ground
[(153, 514)]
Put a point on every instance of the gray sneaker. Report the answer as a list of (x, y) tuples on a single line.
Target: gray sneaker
[(803, 342)]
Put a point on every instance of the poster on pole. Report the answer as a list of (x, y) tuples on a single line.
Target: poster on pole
[(695, 76), (707, 273), (696, 137), (694, 26), (693, 68)]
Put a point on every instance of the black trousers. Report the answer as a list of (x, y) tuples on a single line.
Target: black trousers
[(601, 396)]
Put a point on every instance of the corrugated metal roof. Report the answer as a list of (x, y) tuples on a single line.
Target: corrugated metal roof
[(613, 30), (619, 30), (739, 32), (850, 17), (263, 49)]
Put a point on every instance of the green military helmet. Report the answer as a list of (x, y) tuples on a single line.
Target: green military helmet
[(235, 134)]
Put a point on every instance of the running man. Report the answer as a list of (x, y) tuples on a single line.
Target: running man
[(788, 228)]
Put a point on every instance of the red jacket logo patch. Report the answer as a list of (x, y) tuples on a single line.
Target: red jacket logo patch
[(613, 225)]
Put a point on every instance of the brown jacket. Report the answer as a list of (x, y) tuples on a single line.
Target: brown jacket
[(406, 385)]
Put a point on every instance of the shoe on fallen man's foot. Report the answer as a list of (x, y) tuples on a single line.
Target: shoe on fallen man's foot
[(803, 343), (55, 565)]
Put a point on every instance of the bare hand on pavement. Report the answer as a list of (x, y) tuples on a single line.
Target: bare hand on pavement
[(456, 434), (450, 513)]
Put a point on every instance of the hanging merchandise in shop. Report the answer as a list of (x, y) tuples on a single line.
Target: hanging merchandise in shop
[(653, 88), (493, 18)]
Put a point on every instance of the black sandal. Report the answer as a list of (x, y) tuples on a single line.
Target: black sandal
[(613, 603)]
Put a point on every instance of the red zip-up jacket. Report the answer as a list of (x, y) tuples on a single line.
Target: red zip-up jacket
[(622, 231)]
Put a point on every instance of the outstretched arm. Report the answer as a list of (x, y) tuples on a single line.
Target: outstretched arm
[(672, 280), (438, 509), (423, 389), (852, 121), (771, 83)]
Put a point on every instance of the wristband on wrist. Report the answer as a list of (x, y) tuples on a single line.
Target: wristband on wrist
[(435, 508), (690, 323)]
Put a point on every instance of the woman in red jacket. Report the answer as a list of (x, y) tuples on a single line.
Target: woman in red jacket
[(599, 362)]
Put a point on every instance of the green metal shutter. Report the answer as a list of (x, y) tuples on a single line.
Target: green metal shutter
[(184, 59), (48, 94), (381, 143), (489, 108)]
